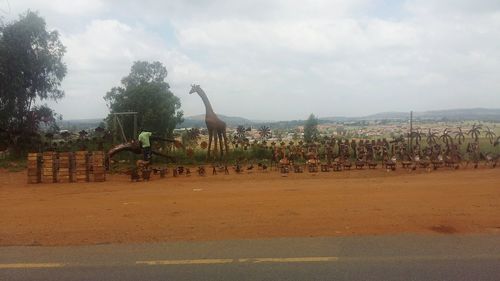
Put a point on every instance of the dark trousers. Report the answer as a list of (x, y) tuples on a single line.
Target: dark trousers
[(146, 153)]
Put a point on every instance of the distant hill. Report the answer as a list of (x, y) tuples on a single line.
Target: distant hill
[(199, 121), (79, 124), (483, 114), (479, 114)]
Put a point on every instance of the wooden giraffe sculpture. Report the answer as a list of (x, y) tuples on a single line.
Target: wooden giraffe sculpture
[(216, 127)]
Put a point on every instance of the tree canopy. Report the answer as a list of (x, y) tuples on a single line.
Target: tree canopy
[(145, 91), (31, 70), (311, 128)]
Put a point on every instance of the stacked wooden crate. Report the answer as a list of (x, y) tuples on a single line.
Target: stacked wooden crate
[(34, 168), (48, 168), (63, 173), (81, 166), (98, 169)]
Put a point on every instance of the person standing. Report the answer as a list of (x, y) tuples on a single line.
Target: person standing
[(145, 144)]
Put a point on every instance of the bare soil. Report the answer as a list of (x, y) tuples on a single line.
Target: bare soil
[(249, 205)]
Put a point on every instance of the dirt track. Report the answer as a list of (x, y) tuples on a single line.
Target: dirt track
[(256, 205)]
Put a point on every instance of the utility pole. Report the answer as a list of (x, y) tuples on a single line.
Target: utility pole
[(135, 127), (117, 123), (410, 139), (114, 129)]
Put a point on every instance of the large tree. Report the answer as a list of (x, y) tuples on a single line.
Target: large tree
[(145, 91), (311, 128), (31, 71)]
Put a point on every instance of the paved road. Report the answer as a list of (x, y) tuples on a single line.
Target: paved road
[(403, 257)]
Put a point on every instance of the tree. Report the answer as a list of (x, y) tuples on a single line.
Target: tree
[(31, 70), (83, 134), (145, 91), (190, 137), (311, 128), (194, 134)]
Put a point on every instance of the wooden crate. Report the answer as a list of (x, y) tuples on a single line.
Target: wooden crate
[(49, 167), (64, 167), (34, 168), (81, 166), (98, 167)]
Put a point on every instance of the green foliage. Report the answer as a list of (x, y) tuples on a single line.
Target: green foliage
[(31, 69), (13, 163), (145, 91), (251, 153), (311, 128), (189, 138), (260, 152), (279, 133)]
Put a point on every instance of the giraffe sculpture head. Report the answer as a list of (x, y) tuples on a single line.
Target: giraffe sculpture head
[(194, 88)]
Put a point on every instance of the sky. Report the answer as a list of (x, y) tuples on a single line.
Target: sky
[(281, 60)]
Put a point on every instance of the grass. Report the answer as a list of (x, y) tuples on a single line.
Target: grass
[(12, 164)]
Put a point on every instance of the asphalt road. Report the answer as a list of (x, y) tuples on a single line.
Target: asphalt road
[(402, 257)]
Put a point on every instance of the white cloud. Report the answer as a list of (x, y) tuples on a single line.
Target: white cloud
[(313, 37), (285, 59), (452, 7), (61, 7), (73, 7), (102, 54)]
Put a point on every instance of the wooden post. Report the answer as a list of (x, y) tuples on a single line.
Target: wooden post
[(63, 173), (72, 167), (98, 169), (135, 127), (411, 133), (34, 168), (114, 128), (81, 166), (48, 170)]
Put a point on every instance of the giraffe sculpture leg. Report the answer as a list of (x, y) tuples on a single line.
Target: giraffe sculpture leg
[(210, 137), (220, 144), (225, 141), (215, 142)]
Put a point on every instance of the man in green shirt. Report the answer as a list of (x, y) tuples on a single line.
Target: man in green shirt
[(145, 144)]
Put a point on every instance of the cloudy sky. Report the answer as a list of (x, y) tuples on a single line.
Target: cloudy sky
[(279, 60)]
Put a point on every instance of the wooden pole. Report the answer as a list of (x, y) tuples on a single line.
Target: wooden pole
[(114, 128), (411, 132), (135, 126)]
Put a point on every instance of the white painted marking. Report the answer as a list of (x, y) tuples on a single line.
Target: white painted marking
[(290, 260), (363, 259), (30, 265), (242, 260), (313, 259), (181, 262)]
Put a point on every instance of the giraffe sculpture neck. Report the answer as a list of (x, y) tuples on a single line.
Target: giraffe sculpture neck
[(208, 106)]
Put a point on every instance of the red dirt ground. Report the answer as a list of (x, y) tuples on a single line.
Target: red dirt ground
[(249, 205)]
